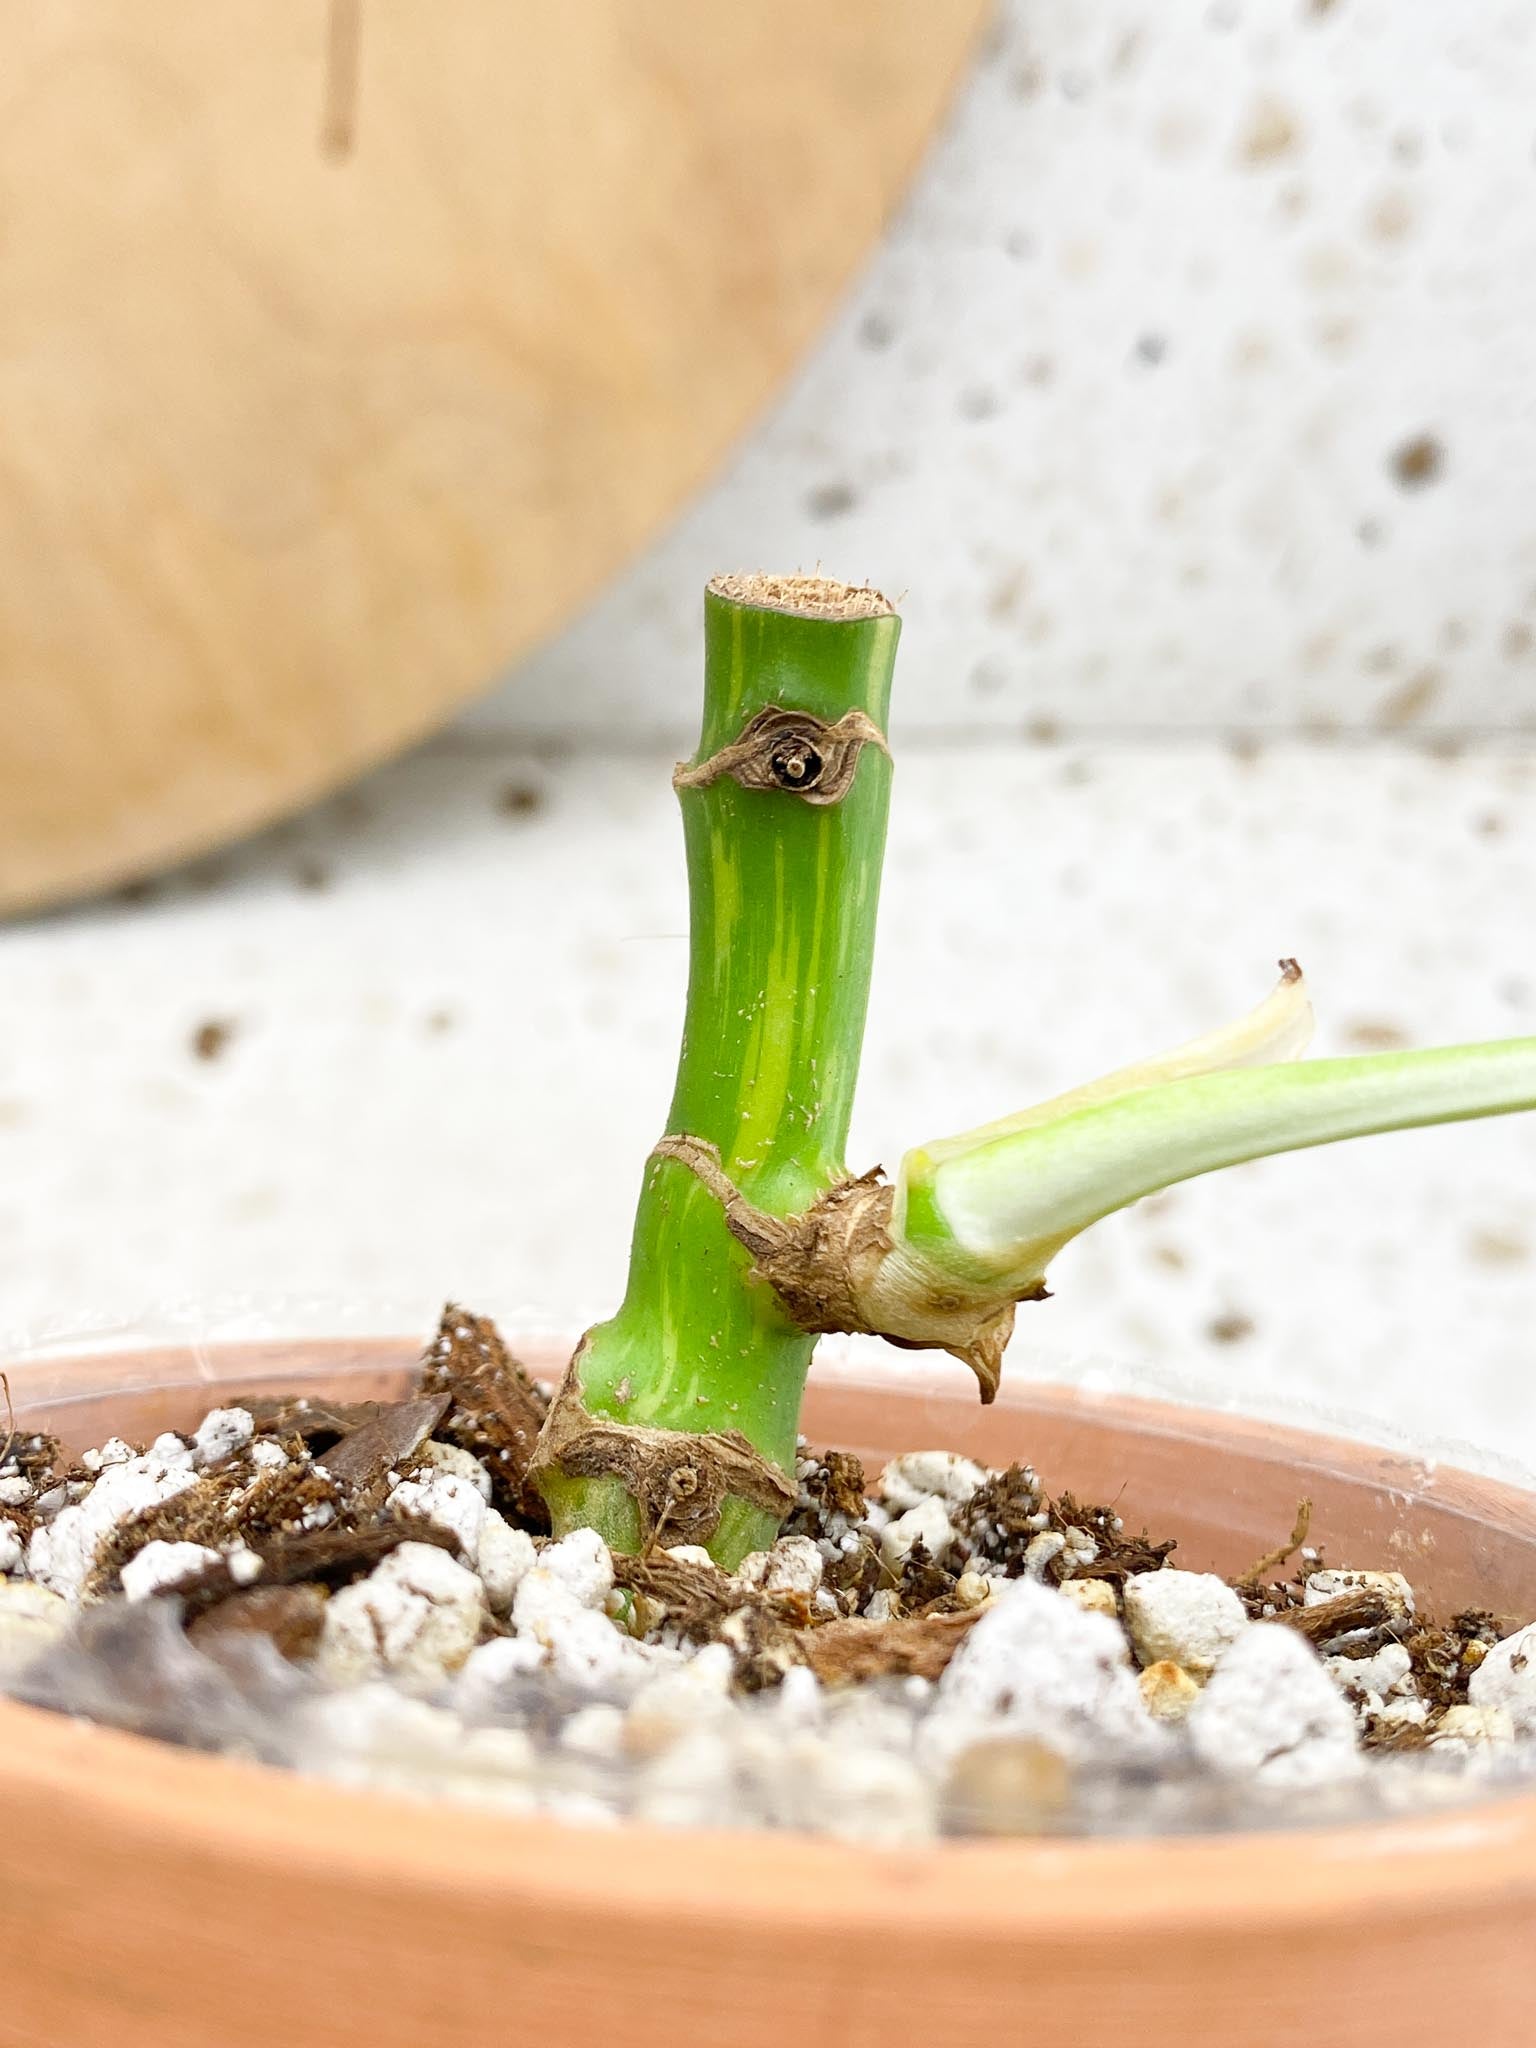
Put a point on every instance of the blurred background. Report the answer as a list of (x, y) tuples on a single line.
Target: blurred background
[(1186, 394)]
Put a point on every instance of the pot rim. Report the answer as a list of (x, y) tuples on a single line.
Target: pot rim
[(149, 1795)]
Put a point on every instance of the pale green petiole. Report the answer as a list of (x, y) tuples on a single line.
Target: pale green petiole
[(992, 1208)]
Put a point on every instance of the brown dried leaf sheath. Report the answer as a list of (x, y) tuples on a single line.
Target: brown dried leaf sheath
[(811, 1261), (677, 1481), (792, 751), (822, 1264)]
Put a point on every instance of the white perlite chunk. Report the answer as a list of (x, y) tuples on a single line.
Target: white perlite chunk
[(244, 1566), (415, 1617), (1036, 1665), (928, 1523), (799, 1702), (502, 1557), (688, 1786), (582, 1565), (10, 1547), (493, 1767), (1183, 1618), (794, 1565), (588, 1650), (676, 1703), (1094, 1596), (490, 1668), (594, 1731), (62, 1552), (1386, 1673), (1042, 1550), (800, 1779), (445, 1499), (1271, 1713), (221, 1432), (377, 1735), (1507, 1678), (113, 1452), (1399, 1713), (455, 1459), (870, 1795), (160, 1566), (561, 1612), (916, 1475), (65, 1493), (30, 1619), (1392, 1587), (1463, 1729)]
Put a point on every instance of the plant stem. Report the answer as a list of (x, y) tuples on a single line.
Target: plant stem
[(783, 895)]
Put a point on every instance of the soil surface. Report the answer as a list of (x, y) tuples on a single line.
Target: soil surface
[(370, 1592)]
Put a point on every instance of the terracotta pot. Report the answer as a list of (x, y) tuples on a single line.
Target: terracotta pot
[(154, 1898)]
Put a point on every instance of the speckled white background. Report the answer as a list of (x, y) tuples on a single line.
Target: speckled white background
[(1123, 403), (1120, 405)]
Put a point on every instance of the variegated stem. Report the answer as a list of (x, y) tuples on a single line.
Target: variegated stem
[(785, 829)]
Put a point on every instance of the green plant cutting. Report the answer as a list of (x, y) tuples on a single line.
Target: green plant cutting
[(677, 1419)]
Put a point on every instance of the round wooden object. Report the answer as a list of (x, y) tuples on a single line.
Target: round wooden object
[(350, 344)]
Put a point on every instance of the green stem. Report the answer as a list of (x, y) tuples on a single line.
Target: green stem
[(783, 899)]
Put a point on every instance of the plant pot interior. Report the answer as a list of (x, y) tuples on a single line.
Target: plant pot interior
[(1226, 1488)]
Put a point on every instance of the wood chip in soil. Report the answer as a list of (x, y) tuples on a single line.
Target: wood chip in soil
[(201, 1513), (329, 1557), (309, 1417), (920, 1646), (1346, 1615), (291, 1617), (497, 1411), (362, 1459)]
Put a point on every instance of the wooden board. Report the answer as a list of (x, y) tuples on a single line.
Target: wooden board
[(346, 346)]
